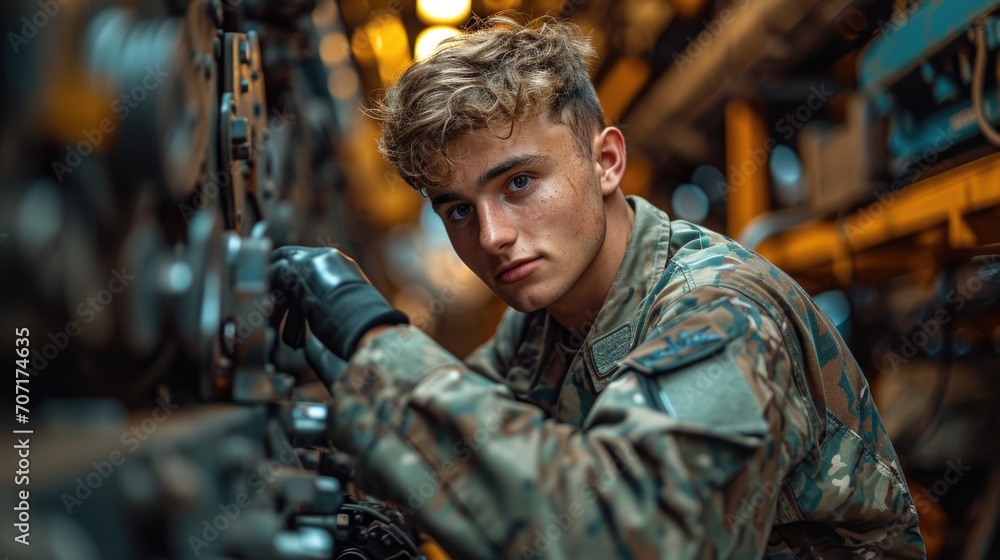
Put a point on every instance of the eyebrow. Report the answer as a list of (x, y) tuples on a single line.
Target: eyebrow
[(492, 173)]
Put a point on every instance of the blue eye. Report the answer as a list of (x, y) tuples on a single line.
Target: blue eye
[(460, 211), (519, 183)]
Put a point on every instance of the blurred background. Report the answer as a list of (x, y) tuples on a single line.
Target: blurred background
[(152, 153)]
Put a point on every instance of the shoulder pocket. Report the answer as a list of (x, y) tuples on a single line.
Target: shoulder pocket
[(696, 369), (698, 333)]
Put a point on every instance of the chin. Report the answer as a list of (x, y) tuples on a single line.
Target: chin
[(528, 300)]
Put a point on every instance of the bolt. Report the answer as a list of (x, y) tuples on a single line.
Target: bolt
[(244, 86), (238, 134), (244, 52), (208, 66)]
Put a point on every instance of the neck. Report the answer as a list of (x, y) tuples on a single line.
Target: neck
[(579, 307)]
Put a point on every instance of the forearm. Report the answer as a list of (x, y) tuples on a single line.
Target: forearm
[(488, 476), (368, 336)]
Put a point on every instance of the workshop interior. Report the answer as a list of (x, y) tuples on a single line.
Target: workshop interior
[(154, 152)]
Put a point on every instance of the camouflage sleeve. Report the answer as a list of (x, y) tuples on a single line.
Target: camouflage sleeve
[(492, 359), (490, 477)]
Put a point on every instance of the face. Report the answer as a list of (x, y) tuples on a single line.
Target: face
[(525, 213)]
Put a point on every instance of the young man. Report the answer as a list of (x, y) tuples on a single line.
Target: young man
[(655, 390)]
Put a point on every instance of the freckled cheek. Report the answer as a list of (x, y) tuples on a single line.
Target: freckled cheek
[(466, 244)]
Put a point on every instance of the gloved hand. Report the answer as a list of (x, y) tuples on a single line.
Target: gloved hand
[(326, 289), (327, 366)]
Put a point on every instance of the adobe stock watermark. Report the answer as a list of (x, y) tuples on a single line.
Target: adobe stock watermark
[(242, 328), (428, 314), (463, 450), (887, 197), (132, 439), (708, 35), (922, 501), (31, 25), (749, 504), (788, 125), (956, 299), (940, 487), (122, 108), (212, 184), (87, 310), (709, 373), (897, 20), (558, 525), (212, 528), (577, 336)]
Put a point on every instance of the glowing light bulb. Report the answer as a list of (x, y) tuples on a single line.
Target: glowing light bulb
[(429, 39), (444, 12)]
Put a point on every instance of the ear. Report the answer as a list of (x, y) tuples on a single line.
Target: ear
[(609, 159)]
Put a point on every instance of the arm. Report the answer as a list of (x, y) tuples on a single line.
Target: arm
[(489, 477), (493, 359)]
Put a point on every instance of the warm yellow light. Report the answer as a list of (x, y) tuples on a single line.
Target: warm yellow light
[(361, 46), (325, 14), (389, 44), (444, 12), (497, 5), (428, 40), (343, 82), (333, 48)]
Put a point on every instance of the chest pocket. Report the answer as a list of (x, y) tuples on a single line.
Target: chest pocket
[(695, 369)]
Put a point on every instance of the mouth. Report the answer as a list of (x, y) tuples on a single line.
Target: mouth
[(517, 270)]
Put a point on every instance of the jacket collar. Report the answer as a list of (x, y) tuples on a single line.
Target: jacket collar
[(615, 330)]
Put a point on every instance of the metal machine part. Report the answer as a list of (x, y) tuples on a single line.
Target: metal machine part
[(149, 166), (921, 78)]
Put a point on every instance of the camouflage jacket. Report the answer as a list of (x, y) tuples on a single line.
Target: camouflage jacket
[(710, 410)]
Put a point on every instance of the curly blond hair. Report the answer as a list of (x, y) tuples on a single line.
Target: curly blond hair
[(498, 73)]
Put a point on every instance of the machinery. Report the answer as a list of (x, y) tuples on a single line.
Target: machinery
[(153, 153)]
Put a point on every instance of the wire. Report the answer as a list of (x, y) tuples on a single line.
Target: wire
[(979, 76), (390, 526)]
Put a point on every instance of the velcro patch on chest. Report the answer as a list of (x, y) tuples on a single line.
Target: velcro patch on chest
[(611, 347)]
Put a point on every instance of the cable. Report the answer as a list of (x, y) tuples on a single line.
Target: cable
[(390, 526), (978, 78)]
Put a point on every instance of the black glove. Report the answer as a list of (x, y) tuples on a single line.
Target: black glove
[(327, 366), (325, 288)]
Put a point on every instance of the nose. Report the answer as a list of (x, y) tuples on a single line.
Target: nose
[(496, 227)]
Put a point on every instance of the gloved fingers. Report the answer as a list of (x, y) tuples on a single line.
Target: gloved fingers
[(327, 365), (283, 276), (294, 333), (288, 253), (285, 359)]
